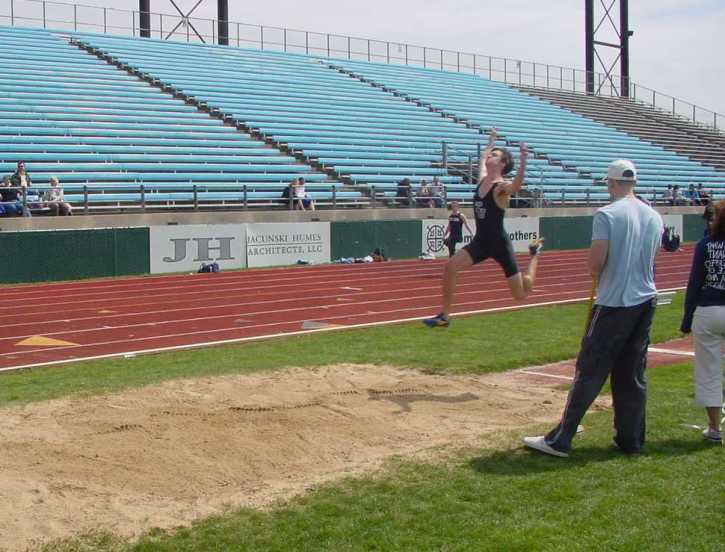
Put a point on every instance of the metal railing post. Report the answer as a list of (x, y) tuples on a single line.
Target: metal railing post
[(12, 13), (374, 200), (196, 198), (161, 25), (387, 51), (547, 75), (424, 60), (490, 68), (470, 169), (85, 199), (328, 45), (505, 70), (458, 61), (478, 150), (334, 196), (474, 64), (368, 49), (133, 25), (284, 38), (75, 17), (307, 42), (261, 37), (406, 54), (238, 35), (444, 150), (143, 197), (25, 199), (348, 48), (44, 25), (246, 197), (563, 196), (441, 60)]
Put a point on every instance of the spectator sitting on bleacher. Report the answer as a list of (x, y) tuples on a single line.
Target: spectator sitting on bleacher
[(54, 199), (11, 198), (424, 196), (691, 195), (20, 178), (302, 200), (703, 195), (667, 195), (404, 192), (436, 189), (677, 197)]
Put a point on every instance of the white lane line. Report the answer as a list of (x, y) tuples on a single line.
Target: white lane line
[(556, 376), (671, 352)]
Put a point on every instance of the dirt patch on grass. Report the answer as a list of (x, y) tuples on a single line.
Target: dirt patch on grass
[(164, 455)]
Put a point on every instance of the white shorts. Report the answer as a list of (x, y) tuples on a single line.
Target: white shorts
[(708, 329)]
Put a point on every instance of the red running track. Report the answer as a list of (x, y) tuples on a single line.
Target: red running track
[(102, 318)]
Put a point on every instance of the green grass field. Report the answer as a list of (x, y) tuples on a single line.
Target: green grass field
[(498, 498)]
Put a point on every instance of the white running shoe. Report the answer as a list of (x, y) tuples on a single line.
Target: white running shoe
[(539, 443)]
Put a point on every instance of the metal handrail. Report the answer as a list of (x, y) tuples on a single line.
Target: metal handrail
[(508, 70)]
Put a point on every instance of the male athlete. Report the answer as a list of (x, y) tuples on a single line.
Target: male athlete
[(490, 201), (454, 230)]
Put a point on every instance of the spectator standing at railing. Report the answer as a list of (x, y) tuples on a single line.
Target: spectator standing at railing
[(12, 199), (54, 199)]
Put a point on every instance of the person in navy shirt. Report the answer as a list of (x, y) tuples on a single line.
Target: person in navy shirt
[(705, 318)]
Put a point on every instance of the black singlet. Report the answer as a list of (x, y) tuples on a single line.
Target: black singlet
[(491, 240), (456, 227)]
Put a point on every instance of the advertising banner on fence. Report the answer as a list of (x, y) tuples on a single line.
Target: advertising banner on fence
[(271, 244), (184, 248), (521, 231)]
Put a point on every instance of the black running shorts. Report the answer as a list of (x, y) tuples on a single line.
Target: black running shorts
[(502, 252)]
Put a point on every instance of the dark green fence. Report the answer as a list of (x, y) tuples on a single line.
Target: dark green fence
[(73, 254), (399, 239)]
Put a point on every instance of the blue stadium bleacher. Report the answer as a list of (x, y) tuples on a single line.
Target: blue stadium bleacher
[(114, 140), (363, 132), (563, 136)]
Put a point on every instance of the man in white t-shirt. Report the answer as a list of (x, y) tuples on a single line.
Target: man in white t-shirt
[(625, 240)]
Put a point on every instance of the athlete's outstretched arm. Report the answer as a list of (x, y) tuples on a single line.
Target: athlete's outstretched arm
[(513, 187), (492, 136)]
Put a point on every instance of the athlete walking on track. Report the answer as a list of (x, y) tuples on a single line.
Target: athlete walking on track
[(490, 201)]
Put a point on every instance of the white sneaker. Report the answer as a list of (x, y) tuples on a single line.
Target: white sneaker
[(539, 443), (711, 435)]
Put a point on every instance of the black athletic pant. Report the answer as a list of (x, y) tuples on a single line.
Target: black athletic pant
[(615, 344)]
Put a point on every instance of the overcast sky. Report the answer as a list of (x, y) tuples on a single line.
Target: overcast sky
[(677, 47)]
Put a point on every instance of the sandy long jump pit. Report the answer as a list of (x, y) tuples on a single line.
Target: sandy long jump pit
[(167, 454)]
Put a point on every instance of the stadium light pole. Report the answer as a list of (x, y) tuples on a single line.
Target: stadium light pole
[(144, 10), (599, 22), (223, 21)]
